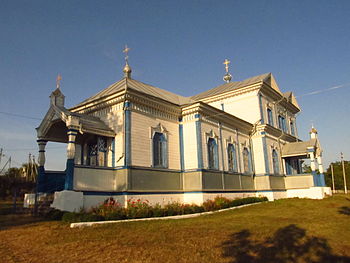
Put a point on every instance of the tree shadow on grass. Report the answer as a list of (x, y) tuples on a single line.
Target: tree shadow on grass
[(288, 245), (345, 210)]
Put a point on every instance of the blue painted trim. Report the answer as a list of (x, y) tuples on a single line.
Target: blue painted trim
[(266, 156), (315, 177), (199, 144), (182, 160), (41, 151), (239, 167), (261, 109), (310, 150), (41, 140), (113, 152), (68, 185), (73, 130), (127, 159), (321, 179), (197, 115), (71, 141), (40, 184)]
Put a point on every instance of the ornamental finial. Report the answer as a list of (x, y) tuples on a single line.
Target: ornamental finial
[(227, 77), (58, 81), (127, 69)]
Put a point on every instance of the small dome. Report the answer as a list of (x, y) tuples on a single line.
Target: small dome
[(313, 130), (127, 70), (227, 77)]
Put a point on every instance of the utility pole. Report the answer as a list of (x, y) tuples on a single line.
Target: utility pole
[(344, 175), (332, 178), (0, 155)]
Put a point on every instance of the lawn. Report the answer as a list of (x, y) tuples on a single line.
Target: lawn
[(289, 230)]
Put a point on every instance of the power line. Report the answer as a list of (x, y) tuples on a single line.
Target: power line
[(32, 149), (19, 115)]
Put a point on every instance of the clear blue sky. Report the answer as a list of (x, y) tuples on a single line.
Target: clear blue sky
[(175, 45)]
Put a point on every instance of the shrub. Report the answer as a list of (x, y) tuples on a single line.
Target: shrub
[(72, 217), (157, 211), (138, 209), (110, 209), (54, 214)]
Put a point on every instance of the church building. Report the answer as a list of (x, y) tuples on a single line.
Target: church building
[(136, 141)]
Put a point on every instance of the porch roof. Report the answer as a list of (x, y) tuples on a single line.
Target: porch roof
[(300, 148), (90, 124)]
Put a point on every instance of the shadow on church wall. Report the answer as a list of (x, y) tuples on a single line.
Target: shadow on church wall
[(289, 244)]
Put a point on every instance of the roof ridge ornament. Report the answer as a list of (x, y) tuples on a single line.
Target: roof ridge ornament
[(127, 68), (227, 77)]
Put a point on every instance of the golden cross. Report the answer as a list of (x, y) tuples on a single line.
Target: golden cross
[(126, 50), (226, 62), (58, 81)]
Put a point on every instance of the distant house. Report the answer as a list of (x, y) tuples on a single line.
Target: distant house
[(133, 140)]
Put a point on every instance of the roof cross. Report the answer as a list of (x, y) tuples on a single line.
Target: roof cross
[(58, 81), (226, 63), (126, 50)]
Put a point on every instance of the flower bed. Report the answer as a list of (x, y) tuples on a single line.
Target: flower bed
[(112, 210)]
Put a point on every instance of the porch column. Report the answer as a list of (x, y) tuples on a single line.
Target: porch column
[(72, 133), (320, 168), (41, 161), (312, 165)]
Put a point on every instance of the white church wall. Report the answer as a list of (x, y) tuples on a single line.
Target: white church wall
[(237, 105), (141, 140), (190, 145), (259, 155)]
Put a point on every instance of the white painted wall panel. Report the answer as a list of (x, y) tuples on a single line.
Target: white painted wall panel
[(141, 140)]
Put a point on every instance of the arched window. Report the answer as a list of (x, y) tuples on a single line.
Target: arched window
[(275, 162), (160, 156), (213, 162), (246, 161), (232, 160)]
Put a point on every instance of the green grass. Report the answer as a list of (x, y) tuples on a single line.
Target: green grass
[(289, 230)]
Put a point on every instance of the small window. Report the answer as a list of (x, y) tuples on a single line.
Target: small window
[(270, 117), (232, 160), (275, 162), (282, 123), (160, 158), (213, 162), (292, 128), (247, 161)]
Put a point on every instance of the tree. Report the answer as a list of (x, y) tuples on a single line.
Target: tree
[(338, 175), (14, 184)]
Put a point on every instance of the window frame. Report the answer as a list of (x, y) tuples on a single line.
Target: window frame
[(232, 167), (275, 162), (162, 145), (213, 156), (247, 160)]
